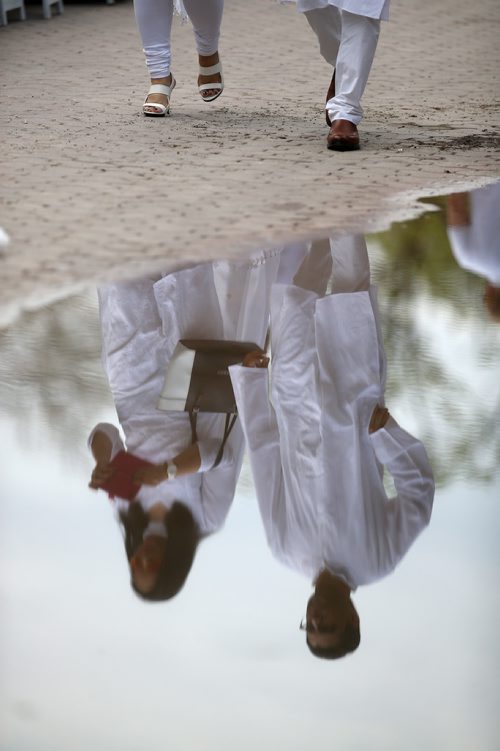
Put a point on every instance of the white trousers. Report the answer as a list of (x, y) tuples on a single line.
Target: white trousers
[(154, 21), (348, 42)]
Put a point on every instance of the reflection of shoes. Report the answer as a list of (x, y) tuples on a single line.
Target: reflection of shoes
[(216, 86), (157, 109), (329, 95), (343, 136)]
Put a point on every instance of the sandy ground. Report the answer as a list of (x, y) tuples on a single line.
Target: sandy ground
[(91, 189)]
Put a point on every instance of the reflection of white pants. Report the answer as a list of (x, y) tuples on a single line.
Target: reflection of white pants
[(154, 20), (348, 42)]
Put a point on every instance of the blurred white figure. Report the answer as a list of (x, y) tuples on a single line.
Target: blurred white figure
[(4, 238), (474, 233)]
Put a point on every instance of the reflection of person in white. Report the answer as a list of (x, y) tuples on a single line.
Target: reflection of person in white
[(185, 496), (473, 221), (319, 446), (347, 32)]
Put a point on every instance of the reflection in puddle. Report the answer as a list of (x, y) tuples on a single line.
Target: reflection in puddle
[(314, 423)]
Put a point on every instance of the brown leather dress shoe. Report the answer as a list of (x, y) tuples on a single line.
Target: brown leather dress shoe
[(343, 136), (329, 94)]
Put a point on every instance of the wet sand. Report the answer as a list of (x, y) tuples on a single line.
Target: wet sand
[(91, 189)]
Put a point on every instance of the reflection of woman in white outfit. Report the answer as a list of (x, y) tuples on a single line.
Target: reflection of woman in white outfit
[(154, 21), (141, 323), (318, 445)]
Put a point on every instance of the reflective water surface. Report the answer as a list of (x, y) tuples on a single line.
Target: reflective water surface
[(88, 663)]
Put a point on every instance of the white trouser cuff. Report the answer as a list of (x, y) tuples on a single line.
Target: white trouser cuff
[(158, 58)]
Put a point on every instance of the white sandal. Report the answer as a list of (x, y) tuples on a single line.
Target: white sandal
[(211, 70), (160, 109)]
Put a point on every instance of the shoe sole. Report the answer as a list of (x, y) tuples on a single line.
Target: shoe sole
[(342, 146)]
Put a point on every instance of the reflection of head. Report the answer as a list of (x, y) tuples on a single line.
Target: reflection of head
[(347, 642), (332, 622), (492, 302), (178, 549)]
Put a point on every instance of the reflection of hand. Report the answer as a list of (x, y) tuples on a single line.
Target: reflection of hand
[(101, 473), (151, 475), (379, 418), (255, 359)]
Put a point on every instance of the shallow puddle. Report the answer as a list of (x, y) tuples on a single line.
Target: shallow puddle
[(87, 663)]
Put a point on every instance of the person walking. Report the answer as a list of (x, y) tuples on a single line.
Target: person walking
[(347, 32), (154, 21)]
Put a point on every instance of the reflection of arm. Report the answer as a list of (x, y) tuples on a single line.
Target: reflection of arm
[(458, 210), (105, 442), (410, 511), (258, 420)]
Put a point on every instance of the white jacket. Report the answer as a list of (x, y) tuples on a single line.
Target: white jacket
[(317, 470)]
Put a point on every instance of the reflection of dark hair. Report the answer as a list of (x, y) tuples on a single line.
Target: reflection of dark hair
[(180, 547), (349, 642)]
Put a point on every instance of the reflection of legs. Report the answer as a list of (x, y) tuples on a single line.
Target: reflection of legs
[(314, 272), (351, 265), (354, 61), (206, 17)]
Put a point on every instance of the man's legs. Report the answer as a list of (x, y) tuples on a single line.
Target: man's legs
[(359, 37), (348, 42), (326, 24)]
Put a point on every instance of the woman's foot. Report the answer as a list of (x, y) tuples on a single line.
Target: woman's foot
[(157, 102), (213, 75)]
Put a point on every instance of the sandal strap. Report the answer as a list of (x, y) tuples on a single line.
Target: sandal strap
[(211, 70), (207, 86), (160, 88), (157, 105)]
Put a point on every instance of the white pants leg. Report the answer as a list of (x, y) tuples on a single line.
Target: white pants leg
[(154, 21), (354, 58), (327, 25), (206, 17)]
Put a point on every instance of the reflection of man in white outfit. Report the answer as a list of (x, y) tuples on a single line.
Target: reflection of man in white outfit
[(347, 32), (319, 445)]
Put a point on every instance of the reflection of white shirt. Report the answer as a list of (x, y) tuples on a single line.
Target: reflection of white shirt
[(141, 323), (476, 247), (317, 470)]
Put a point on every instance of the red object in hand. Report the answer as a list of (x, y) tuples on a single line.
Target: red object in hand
[(121, 484)]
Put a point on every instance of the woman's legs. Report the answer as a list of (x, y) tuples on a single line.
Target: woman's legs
[(206, 17), (154, 21)]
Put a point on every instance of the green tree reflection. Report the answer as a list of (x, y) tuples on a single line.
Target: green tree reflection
[(442, 350), (51, 378)]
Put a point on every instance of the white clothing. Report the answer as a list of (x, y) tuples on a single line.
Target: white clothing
[(317, 470), (476, 247), (347, 42), (141, 322), (378, 9), (154, 21)]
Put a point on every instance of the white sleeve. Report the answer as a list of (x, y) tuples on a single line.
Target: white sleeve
[(260, 428), (112, 433), (208, 454), (409, 512)]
